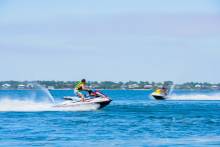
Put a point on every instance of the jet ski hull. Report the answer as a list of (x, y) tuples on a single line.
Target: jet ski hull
[(103, 104), (99, 102), (159, 96)]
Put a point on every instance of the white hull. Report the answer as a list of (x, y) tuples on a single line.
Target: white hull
[(99, 101)]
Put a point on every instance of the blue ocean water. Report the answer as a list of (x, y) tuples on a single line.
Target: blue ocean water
[(133, 118)]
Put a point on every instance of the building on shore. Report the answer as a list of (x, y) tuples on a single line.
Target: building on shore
[(215, 87), (50, 87), (133, 86), (5, 86), (148, 86), (21, 86)]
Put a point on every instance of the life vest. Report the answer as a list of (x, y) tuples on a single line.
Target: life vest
[(79, 85), (159, 91)]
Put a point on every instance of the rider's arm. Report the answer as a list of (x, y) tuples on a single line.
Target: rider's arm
[(85, 88)]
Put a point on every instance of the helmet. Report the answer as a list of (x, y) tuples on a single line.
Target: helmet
[(83, 80)]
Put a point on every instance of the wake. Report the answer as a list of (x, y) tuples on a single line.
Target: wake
[(15, 105), (200, 97)]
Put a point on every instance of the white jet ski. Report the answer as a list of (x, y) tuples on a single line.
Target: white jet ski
[(97, 98)]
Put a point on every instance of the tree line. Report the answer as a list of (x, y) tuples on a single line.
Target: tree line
[(106, 85)]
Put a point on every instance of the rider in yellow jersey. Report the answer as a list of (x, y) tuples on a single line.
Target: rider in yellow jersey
[(80, 86), (162, 90)]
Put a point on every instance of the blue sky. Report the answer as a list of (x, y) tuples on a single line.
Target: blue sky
[(115, 40)]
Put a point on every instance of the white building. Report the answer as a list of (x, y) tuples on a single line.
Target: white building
[(123, 86), (148, 86), (30, 86), (21, 86), (5, 86), (198, 86), (133, 86), (215, 87), (50, 87)]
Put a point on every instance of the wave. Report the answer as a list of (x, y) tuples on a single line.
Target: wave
[(214, 97), (195, 140), (14, 105)]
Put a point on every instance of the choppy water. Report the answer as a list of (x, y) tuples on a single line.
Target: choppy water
[(132, 119)]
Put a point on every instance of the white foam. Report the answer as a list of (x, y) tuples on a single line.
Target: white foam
[(195, 97), (201, 140), (8, 104)]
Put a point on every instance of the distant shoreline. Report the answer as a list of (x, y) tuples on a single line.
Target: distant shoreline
[(109, 85)]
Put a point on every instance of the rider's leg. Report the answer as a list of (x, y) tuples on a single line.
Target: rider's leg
[(80, 95)]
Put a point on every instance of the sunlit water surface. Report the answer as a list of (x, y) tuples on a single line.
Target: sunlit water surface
[(133, 118)]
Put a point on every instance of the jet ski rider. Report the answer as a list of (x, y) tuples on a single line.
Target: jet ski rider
[(162, 90), (79, 87)]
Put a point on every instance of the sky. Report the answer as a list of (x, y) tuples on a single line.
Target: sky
[(141, 40)]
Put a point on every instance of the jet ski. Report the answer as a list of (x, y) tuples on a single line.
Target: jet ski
[(95, 98), (160, 94)]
